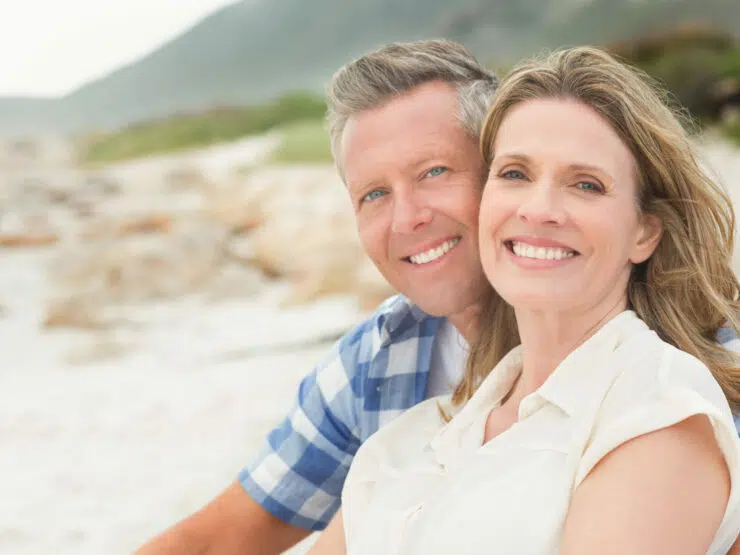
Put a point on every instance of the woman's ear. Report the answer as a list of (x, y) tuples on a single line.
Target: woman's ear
[(651, 230)]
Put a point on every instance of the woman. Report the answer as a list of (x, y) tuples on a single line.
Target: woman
[(604, 426)]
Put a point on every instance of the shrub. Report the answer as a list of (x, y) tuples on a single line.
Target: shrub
[(732, 132), (690, 61), (184, 131), (303, 142)]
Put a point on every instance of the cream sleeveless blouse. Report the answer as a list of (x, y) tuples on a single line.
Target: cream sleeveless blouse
[(423, 487)]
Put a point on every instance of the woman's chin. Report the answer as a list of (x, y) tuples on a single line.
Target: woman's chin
[(539, 302)]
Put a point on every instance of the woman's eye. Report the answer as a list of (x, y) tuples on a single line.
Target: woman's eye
[(434, 172), (589, 186), (513, 174), (372, 195)]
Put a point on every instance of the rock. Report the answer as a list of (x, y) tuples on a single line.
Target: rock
[(308, 236), (142, 267), (74, 312), (132, 225), (232, 281), (22, 240), (28, 227), (232, 208), (239, 249), (185, 178), (102, 347)]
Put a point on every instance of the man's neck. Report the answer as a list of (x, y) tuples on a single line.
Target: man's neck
[(466, 321)]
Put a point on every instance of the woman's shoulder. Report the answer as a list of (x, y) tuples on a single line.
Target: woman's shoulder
[(657, 386), (653, 367), (661, 383)]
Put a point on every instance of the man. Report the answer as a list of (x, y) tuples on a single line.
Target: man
[(404, 123)]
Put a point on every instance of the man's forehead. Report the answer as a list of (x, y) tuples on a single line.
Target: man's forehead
[(405, 131)]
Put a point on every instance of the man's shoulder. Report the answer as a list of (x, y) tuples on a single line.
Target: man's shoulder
[(398, 328), (395, 320)]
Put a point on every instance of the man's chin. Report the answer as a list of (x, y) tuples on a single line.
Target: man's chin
[(437, 305)]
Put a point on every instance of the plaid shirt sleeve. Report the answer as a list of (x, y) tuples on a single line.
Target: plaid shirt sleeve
[(728, 338), (299, 474)]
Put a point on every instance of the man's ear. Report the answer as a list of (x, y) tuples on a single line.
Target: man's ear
[(651, 230)]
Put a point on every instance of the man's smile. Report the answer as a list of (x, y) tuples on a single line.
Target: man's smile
[(434, 253)]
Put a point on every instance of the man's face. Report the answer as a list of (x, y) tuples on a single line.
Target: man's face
[(415, 180)]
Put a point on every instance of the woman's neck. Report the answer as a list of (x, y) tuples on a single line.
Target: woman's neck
[(547, 338)]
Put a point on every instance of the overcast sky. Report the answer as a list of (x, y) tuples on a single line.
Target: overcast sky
[(51, 47)]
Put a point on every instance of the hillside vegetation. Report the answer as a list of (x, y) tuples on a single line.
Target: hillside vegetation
[(202, 129), (251, 51)]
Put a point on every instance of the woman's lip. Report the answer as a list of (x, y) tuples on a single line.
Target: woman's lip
[(539, 242), (538, 263)]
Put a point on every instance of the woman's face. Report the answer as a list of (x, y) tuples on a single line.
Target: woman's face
[(559, 223)]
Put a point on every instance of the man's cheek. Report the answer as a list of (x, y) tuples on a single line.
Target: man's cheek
[(373, 243)]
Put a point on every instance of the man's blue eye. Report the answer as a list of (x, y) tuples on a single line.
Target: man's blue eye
[(434, 172), (372, 195)]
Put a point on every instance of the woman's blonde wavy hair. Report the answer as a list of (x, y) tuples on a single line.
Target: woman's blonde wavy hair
[(687, 290)]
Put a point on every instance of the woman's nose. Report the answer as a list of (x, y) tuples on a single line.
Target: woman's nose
[(541, 204)]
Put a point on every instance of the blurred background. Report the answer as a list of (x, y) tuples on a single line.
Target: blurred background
[(176, 249)]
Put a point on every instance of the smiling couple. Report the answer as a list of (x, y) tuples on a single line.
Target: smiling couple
[(559, 372)]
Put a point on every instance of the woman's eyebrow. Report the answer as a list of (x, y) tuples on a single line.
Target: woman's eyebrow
[(512, 156), (590, 169)]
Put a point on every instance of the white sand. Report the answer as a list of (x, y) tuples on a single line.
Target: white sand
[(96, 458)]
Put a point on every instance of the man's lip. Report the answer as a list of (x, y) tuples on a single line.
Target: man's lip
[(424, 247), (539, 242)]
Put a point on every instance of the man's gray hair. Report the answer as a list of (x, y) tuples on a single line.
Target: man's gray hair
[(375, 78)]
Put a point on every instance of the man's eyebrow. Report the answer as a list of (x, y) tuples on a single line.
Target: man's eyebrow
[(355, 188), (437, 155)]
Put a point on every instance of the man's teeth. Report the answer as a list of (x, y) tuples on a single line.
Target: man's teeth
[(434, 254), (540, 253)]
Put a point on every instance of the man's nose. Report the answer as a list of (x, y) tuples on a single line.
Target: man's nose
[(542, 205), (410, 211)]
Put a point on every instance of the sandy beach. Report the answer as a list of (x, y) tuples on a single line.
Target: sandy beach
[(98, 457), (108, 437)]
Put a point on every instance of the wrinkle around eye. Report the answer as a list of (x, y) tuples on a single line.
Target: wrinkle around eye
[(371, 196), (429, 172)]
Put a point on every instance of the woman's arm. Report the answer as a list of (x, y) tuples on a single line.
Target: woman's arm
[(661, 493), (331, 540)]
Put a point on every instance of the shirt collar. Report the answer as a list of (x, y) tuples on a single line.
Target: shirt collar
[(578, 376), (401, 319), (490, 393)]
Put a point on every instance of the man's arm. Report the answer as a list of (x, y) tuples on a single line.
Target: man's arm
[(233, 523), (331, 541)]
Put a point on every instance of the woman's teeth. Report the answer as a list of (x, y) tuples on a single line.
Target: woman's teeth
[(434, 254), (540, 253)]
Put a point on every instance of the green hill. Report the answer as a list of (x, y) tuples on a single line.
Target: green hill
[(251, 51)]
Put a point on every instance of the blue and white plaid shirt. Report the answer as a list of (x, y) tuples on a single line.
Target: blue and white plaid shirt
[(374, 373)]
